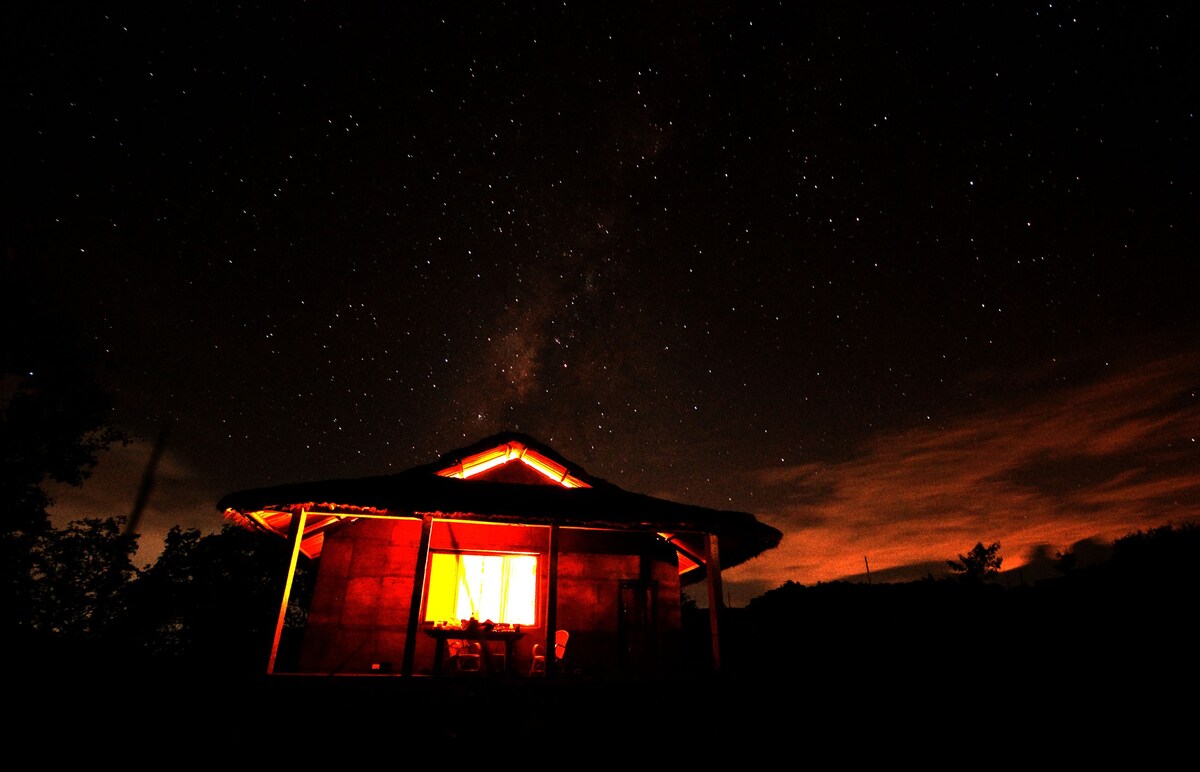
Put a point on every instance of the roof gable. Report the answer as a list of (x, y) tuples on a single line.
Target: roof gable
[(506, 478), (513, 459)]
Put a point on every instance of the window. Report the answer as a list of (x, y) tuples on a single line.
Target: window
[(502, 588)]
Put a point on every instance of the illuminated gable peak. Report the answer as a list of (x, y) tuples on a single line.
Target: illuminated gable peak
[(508, 452)]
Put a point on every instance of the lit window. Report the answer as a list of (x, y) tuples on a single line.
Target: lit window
[(502, 588)]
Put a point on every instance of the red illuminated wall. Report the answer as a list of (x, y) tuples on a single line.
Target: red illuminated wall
[(360, 606)]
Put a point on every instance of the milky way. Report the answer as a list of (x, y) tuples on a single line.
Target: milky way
[(894, 279)]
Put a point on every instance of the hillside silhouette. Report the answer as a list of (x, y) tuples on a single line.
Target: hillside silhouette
[(1136, 604), (1106, 650)]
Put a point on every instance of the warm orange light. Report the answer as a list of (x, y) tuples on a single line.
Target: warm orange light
[(489, 459), (480, 462), (551, 470), (280, 522), (544, 465), (688, 560)]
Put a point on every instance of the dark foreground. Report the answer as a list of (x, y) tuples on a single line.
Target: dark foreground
[(930, 710)]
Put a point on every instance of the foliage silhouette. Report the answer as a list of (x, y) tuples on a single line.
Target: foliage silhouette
[(1066, 561), (54, 423), (980, 564), (211, 603), (81, 578)]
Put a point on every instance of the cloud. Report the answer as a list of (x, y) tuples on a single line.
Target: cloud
[(178, 496), (1092, 461)]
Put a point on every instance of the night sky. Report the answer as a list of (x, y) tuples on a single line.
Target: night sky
[(896, 278)]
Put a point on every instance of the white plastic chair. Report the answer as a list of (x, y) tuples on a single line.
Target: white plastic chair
[(560, 650)]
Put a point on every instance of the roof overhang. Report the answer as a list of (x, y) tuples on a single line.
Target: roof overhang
[(464, 487)]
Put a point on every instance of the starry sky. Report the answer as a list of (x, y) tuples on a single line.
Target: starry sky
[(896, 278)]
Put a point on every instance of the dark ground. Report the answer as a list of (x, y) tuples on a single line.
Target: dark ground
[(1099, 667), (931, 709)]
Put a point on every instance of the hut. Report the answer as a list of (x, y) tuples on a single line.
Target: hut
[(497, 546)]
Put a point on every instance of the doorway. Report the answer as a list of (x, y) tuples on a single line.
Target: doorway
[(637, 626)]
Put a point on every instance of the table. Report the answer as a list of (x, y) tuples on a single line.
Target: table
[(509, 636)]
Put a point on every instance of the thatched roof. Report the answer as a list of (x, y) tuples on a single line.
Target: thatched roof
[(424, 489)]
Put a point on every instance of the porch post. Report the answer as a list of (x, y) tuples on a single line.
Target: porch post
[(712, 564), (552, 606), (418, 594), (295, 536)]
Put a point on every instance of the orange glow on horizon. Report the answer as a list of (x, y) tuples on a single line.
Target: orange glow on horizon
[(1076, 467)]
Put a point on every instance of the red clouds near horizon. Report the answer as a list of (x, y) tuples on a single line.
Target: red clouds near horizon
[(1080, 462)]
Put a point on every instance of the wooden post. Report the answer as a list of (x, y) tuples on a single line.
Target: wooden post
[(418, 594), (552, 606), (295, 536), (712, 571)]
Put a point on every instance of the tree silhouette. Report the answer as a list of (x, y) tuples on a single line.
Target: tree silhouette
[(980, 564), (1066, 561), (79, 583), (54, 422), (210, 603)]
